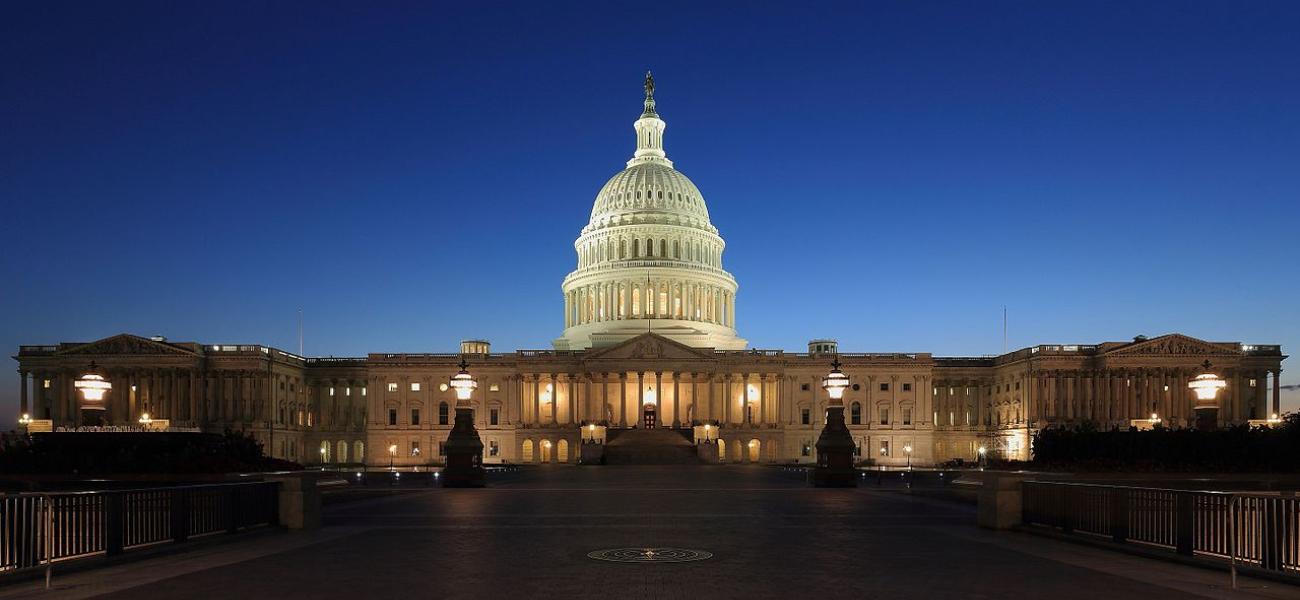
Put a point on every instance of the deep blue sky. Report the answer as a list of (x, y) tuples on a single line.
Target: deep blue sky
[(887, 173)]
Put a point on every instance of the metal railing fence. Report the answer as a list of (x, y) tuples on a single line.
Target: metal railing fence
[(1261, 530), (40, 529)]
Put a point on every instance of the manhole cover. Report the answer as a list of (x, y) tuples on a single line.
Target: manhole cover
[(647, 555)]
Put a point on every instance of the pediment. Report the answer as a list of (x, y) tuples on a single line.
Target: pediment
[(126, 345), (1174, 344), (650, 346)]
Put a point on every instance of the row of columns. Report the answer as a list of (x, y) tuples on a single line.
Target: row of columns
[(1118, 396), (712, 398), (661, 299), (178, 394)]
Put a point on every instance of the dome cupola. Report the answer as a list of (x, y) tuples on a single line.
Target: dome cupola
[(649, 258)]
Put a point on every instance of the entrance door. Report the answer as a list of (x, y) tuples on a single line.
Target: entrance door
[(650, 420)]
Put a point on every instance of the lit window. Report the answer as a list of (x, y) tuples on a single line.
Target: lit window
[(1252, 384), (331, 391), (493, 448), (363, 391), (415, 386), (415, 448), (392, 387), (347, 391), (807, 449), (46, 384), (494, 388), (309, 419), (884, 448)]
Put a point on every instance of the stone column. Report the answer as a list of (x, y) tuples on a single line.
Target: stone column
[(677, 403), (695, 393), (61, 414), (622, 399), (661, 407), (555, 400), (1277, 392), (726, 399), (586, 398), (537, 401), (22, 392), (640, 399), (712, 411), (763, 382)]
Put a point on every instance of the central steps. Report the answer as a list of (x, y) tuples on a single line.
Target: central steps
[(650, 447)]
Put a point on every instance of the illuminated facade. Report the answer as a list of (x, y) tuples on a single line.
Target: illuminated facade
[(649, 341)]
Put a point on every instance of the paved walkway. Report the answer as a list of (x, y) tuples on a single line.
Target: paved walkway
[(772, 537)]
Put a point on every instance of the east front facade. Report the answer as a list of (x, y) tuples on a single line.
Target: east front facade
[(650, 343)]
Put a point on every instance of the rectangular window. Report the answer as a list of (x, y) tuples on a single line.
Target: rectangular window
[(442, 449), (807, 449), (1252, 383), (331, 391), (907, 387), (363, 391), (347, 391), (884, 415), (968, 417), (494, 388), (392, 416), (415, 416), (884, 449), (392, 387), (803, 387), (806, 416), (952, 418), (494, 418), (415, 448), (884, 387), (493, 448), (46, 384), (281, 387), (291, 388), (309, 419), (415, 386), (907, 415), (967, 391)]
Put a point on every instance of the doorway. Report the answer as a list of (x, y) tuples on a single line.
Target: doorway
[(651, 418)]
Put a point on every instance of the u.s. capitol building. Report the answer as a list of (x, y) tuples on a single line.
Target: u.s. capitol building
[(649, 342)]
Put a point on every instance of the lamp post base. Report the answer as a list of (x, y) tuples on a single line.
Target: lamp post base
[(835, 453), (464, 453)]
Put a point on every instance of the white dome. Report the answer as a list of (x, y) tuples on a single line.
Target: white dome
[(649, 259), (650, 192)]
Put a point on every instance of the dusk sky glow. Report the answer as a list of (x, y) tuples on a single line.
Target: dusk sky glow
[(889, 174)]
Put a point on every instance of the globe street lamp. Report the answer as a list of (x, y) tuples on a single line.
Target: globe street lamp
[(1207, 386), (93, 387), (463, 447), (908, 451), (835, 444)]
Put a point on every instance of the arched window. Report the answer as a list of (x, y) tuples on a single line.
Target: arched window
[(677, 249), (343, 452), (442, 413), (359, 451), (622, 249), (649, 247), (663, 248), (855, 414), (636, 248)]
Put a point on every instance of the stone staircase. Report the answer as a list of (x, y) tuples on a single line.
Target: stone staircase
[(650, 447)]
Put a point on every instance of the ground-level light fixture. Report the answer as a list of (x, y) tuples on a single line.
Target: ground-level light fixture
[(25, 419), (835, 445), (145, 419)]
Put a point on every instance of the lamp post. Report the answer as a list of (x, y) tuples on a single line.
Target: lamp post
[(908, 450), (392, 454), (1207, 386), (464, 448), (835, 444), (983, 452), (93, 387)]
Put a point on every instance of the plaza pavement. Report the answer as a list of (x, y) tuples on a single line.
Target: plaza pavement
[(529, 534)]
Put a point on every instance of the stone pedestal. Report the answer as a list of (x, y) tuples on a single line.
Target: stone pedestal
[(708, 452), (299, 501), (592, 453), (1000, 501), (464, 453), (835, 453)]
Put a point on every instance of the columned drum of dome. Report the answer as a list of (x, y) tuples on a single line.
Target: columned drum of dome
[(649, 259)]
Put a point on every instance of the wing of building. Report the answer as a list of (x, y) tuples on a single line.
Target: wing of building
[(649, 352)]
